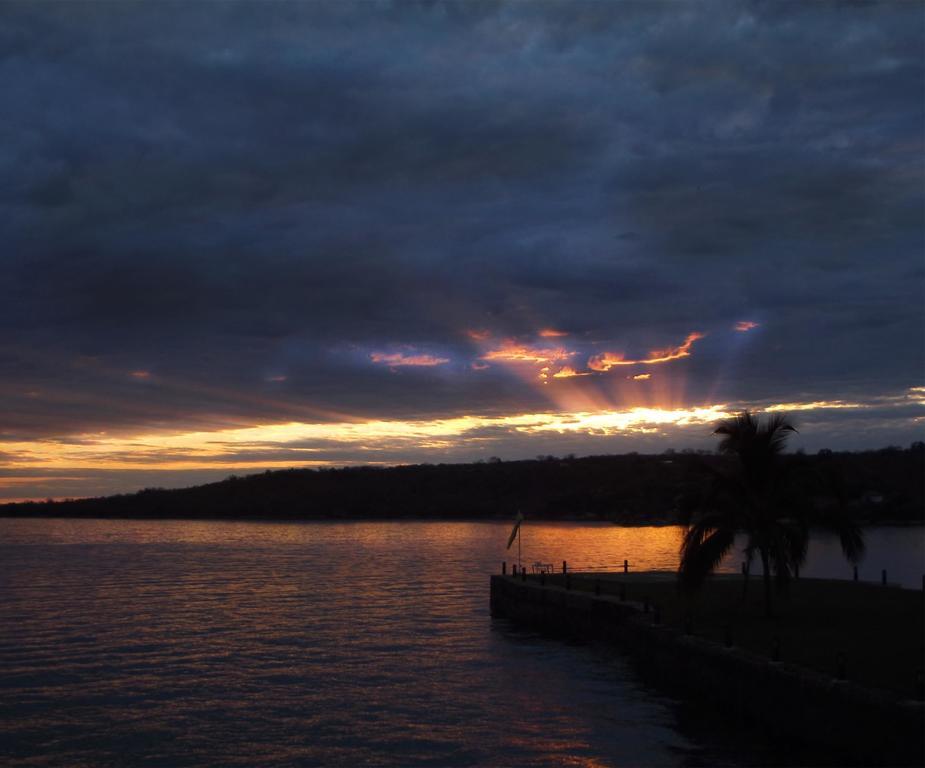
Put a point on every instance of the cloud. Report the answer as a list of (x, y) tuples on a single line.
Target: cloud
[(606, 360), (259, 191), (399, 359), (510, 351), (743, 326), (567, 372)]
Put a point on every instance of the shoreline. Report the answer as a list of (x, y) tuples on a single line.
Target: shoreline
[(353, 519), (634, 523)]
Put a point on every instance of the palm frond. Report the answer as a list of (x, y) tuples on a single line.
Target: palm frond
[(704, 548), (852, 543), (775, 432), (738, 433)]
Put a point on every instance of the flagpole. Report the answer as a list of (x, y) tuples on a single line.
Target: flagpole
[(515, 534), (518, 547)]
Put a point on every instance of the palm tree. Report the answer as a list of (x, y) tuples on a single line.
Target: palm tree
[(762, 500)]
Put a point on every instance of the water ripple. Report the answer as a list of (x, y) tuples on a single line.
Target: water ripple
[(236, 644)]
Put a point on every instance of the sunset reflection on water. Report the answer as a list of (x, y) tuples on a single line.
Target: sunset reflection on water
[(208, 643), (187, 643)]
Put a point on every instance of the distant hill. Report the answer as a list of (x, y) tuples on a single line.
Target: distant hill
[(886, 485)]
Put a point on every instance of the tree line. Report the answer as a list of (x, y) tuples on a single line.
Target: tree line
[(886, 485)]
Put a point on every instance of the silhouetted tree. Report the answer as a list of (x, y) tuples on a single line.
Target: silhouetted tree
[(762, 499)]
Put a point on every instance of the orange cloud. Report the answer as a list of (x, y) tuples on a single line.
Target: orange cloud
[(552, 333), (815, 405), (477, 366), (567, 372), (642, 376), (607, 360), (512, 352), (399, 359), (673, 353), (744, 325)]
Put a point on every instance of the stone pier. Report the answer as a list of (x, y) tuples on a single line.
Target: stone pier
[(838, 720)]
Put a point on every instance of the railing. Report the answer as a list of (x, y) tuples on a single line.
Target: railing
[(539, 567)]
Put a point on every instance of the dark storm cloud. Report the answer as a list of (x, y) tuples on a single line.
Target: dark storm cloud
[(222, 195)]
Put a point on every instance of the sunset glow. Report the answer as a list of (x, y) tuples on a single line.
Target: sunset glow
[(309, 444), (307, 441)]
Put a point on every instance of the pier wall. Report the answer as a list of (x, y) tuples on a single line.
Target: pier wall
[(839, 721)]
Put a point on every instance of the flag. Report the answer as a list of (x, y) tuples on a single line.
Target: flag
[(517, 522)]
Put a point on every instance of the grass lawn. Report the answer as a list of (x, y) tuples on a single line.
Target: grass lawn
[(879, 630)]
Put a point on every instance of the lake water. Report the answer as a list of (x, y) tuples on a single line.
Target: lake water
[(178, 643)]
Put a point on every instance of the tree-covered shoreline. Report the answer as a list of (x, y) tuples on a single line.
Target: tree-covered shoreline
[(887, 485)]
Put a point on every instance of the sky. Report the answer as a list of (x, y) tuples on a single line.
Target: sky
[(242, 236)]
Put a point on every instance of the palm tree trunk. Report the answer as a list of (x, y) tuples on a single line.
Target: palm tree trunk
[(766, 565)]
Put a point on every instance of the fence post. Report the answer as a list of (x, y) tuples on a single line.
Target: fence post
[(626, 567), (564, 567), (504, 568), (523, 573)]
